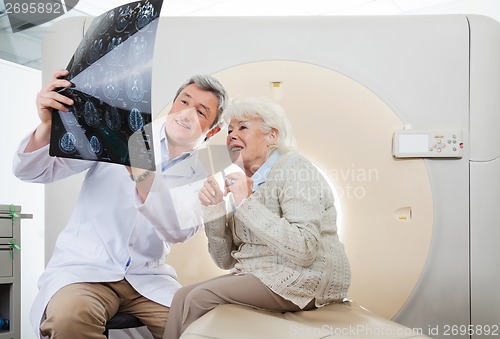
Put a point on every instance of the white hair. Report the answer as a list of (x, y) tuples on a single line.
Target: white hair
[(271, 114)]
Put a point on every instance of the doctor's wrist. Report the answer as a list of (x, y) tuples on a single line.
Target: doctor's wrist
[(141, 177)]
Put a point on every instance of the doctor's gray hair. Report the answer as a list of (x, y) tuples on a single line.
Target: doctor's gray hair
[(210, 84), (271, 114)]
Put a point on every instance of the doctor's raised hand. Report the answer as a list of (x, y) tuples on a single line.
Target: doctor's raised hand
[(46, 100)]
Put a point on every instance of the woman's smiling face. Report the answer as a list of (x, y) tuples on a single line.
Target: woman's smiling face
[(247, 143)]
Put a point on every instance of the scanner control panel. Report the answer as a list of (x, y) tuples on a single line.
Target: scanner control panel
[(412, 143)]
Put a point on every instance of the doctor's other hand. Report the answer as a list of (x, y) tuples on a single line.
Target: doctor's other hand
[(240, 185), (48, 98), (210, 193)]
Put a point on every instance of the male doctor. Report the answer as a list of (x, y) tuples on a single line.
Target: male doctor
[(111, 255)]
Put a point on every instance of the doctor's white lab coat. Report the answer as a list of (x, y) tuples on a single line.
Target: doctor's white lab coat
[(111, 234)]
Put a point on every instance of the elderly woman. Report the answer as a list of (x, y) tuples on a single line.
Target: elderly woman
[(277, 235)]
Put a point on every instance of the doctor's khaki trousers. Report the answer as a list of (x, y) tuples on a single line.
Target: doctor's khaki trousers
[(81, 310), (193, 301)]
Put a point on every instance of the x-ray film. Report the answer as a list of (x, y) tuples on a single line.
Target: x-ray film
[(111, 72)]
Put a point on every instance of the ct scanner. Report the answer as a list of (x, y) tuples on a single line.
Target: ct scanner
[(420, 230)]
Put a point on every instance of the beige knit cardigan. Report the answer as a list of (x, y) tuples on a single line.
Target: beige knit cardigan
[(285, 234)]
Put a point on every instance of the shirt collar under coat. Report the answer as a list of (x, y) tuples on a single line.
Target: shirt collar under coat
[(260, 176), (165, 162)]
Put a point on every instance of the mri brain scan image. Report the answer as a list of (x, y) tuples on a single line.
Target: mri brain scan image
[(145, 16), (138, 50), (135, 120), (67, 143), (135, 87), (114, 53), (111, 87), (111, 76), (90, 115), (113, 118), (89, 84), (124, 18), (95, 145), (95, 51)]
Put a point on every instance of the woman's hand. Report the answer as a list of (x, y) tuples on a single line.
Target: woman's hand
[(240, 185), (210, 193)]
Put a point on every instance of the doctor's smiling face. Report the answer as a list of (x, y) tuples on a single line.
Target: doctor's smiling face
[(191, 118)]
